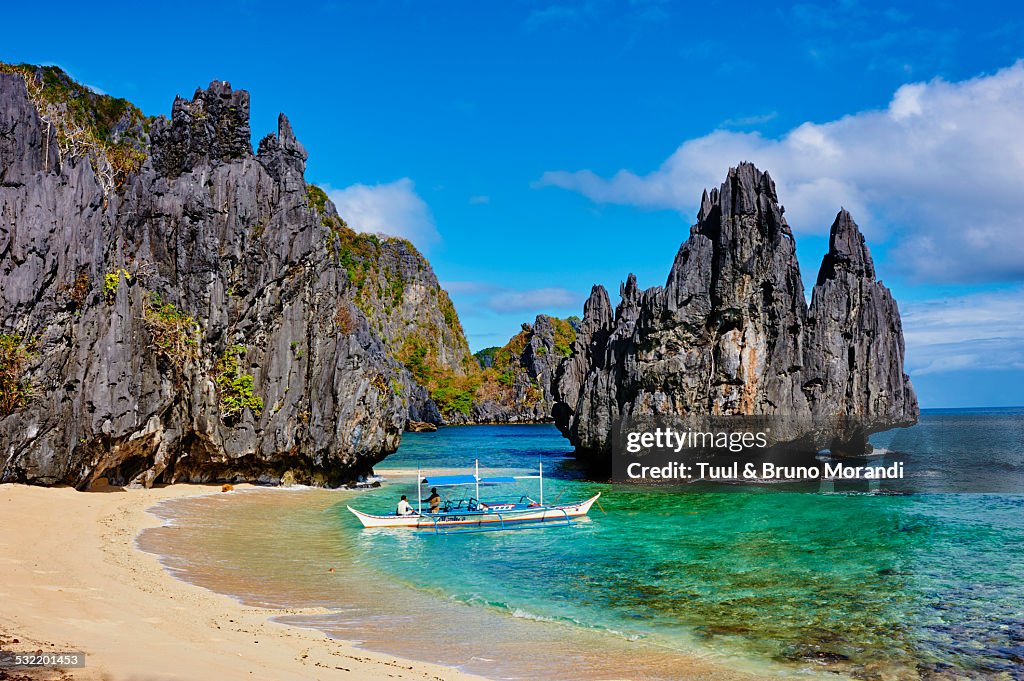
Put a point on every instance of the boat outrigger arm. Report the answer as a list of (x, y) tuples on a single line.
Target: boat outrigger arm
[(473, 514)]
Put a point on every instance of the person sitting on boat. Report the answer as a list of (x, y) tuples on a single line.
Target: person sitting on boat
[(434, 500), (404, 508)]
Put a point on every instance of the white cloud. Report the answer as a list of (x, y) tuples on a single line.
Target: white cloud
[(480, 296), (976, 331), (533, 300), (938, 171), (393, 208), (469, 287), (480, 200)]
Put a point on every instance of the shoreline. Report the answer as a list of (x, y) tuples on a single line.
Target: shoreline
[(87, 585), (74, 580)]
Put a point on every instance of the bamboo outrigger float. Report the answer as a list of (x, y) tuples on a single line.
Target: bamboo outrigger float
[(474, 515)]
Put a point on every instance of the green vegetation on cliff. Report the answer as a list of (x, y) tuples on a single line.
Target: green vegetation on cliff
[(359, 254), (451, 318), (455, 393), (485, 357), (509, 373), (500, 374), (450, 390), (112, 281), (15, 391), (109, 130), (234, 386), (317, 199), (426, 335), (565, 335), (175, 334)]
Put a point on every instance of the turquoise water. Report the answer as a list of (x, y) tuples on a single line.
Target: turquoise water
[(925, 585), (880, 586)]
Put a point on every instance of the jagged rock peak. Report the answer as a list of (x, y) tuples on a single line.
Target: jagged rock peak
[(847, 250), (739, 194), (597, 310), (629, 290), (283, 156), (287, 139), (629, 294), (214, 125)]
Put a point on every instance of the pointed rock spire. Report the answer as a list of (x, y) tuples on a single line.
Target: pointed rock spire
[(628, 290), (284, 157), (854, 352), (847, 250), (587, 351)]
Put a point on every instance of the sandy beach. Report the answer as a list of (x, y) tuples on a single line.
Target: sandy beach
[(72, 580)]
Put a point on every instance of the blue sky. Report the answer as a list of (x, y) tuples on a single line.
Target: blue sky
[(532, 149)]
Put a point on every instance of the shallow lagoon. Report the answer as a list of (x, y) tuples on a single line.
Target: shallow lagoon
[(766, 578)]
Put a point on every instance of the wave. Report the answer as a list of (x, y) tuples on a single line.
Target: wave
[(524, 614)]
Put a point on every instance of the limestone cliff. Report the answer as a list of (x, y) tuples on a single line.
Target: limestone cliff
[(731, 333), (177, 307)]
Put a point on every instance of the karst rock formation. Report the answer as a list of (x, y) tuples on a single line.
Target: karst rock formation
[(731, 333)]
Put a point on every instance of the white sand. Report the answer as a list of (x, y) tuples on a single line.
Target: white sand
[(71, 579)]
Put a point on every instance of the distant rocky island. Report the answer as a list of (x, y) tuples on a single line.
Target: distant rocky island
[(178, 307)]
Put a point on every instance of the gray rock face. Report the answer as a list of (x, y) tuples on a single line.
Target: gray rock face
[(855, 345), (27, 145), (582, 380), (199, 322), (730, 334), (213, 127)]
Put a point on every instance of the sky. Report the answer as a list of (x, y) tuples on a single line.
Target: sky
[(532, 148)]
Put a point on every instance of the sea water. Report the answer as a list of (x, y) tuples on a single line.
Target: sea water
[(772, 578)]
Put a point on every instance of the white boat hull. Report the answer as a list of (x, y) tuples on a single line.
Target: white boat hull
[(491, 518)]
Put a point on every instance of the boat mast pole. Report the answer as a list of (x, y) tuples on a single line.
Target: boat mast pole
[(419, 492), (541, 463), (476, 476)]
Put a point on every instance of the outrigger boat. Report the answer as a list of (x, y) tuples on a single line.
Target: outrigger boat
[(474, 515)]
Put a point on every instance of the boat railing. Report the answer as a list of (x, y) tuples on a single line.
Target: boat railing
[(473, 504), (478, 526)]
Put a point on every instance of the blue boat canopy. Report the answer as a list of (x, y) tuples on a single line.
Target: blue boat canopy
[(445, 480), (448, 480)]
